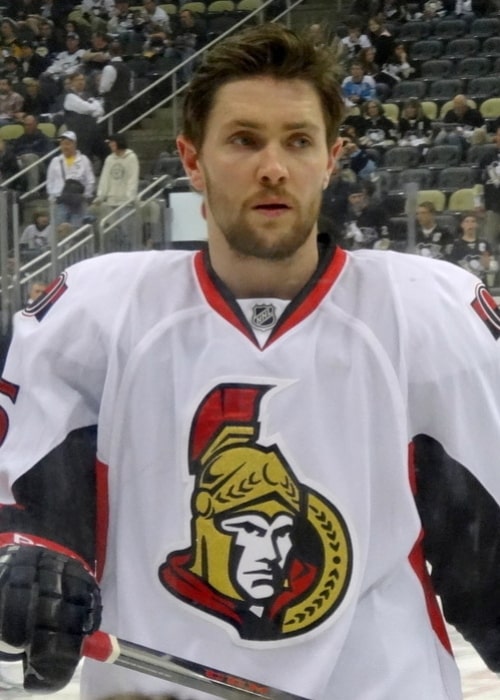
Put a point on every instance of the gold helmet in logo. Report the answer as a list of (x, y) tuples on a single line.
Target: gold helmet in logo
[(233, 475)]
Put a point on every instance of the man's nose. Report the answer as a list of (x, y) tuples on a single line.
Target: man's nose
[(272, 166)]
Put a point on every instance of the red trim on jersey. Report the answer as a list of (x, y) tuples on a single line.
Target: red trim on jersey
[(304, 307), (215, 298), (9, 389), (20, 538), (315, 296), (419, 566), (102, 515)]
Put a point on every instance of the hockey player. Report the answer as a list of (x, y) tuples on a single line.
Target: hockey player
[(284, 431)]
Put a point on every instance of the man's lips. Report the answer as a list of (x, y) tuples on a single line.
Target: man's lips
[(272, 208)]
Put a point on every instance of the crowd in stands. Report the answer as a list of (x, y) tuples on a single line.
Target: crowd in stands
[(416, 111), (419, 110)]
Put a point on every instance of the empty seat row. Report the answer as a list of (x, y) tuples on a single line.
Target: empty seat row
[(443, 89), (436, 157), (463, 47), (449, 28), (468, 67), (446, 179)]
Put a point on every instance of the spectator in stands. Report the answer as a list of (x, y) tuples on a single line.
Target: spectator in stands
[(379, 131), (366, 57), (431, 239), (358, 87), (365, 222), (467, 8), (81, 112), (490, 176), (464, 115), (64, 64), (11, 103), (32, 65), (188, 37), (24, 13), (12, 70), (21, 9), (155, 18), (381, 38), (95, 58), (8, 163), (319, 33), (36, 289), (55, 11), (122, 22), (9, 40), (354, 40), (119, 185), (335, 201), (28, 148), (70, 165), (396, 68), (35, 101), (119, 179), (356, 158), (48, 44), (391, 10), (465, 119), (469, 250), (114, 85), (35, 238), (413, 120), (94, 15)]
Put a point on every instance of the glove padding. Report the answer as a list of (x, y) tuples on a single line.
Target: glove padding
[(48, 603)]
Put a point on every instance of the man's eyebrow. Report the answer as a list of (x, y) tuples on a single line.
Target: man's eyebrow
[(287, 126)]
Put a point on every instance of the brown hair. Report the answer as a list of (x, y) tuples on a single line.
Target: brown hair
[(430, 206), (265, 50)]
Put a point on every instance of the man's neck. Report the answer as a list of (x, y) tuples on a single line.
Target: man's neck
[(248, 277)]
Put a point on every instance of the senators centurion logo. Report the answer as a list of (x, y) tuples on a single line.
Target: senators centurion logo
[(268, 555)]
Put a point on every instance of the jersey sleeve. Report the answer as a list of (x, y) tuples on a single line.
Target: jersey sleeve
[(455, 423), (53, 376)]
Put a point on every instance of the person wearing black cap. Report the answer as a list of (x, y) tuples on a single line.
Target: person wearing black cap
[(66, 62), (365, 221), (32, 64)]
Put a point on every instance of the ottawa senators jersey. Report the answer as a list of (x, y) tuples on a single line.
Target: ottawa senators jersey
[(256, 506)]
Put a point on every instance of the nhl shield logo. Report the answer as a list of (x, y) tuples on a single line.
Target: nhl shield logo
[(264, 316)]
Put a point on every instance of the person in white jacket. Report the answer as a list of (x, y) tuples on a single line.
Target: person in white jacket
[(70, 165), (118, 186)]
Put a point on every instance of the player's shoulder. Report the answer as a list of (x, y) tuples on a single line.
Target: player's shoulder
[(411, 272), (131, 266)]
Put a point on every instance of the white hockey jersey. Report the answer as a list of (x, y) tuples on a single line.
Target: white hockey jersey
[(258, 514)]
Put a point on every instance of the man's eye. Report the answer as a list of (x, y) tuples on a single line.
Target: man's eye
[(301, 142), (241, 140)]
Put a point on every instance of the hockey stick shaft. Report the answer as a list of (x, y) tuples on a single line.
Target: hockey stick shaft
[(101, 646)]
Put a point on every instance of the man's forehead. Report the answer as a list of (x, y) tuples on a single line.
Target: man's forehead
[(263, 100)]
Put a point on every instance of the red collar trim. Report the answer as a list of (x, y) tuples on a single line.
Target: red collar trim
[(221, 300)]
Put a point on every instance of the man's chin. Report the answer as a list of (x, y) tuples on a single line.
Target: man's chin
[(267, 246)]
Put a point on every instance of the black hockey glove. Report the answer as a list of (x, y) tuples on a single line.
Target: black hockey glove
[(48, 603)]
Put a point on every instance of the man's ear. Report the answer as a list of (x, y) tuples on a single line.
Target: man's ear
[(189, 157), (335, 151)]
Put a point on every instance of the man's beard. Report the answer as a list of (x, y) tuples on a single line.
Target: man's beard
[(251, 241)]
